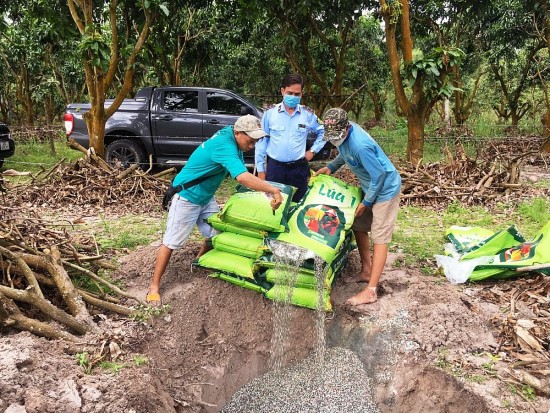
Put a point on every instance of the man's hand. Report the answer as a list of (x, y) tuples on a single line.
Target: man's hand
[(309, 155), (361, 209), (324, 170), (261, 175), (277, 200)]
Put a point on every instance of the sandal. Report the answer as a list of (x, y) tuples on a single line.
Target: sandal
[(367, 296), (153, 299)]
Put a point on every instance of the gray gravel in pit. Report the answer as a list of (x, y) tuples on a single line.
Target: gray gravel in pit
[(340, 384)]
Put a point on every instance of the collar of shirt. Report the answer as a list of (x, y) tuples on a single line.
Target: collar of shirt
[(281, 108)]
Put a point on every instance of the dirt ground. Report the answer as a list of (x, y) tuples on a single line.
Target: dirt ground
[(426, 344)]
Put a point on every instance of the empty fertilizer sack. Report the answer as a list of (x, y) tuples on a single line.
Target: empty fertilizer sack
[(255, 248), (476, 254)]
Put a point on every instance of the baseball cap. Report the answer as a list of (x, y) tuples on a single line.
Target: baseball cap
[(250, 125), (336, 123)]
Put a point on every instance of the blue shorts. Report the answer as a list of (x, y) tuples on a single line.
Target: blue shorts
[(182, 217)]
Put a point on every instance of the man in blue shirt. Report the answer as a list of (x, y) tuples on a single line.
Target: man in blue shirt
[(281, 156), (208, 164), (381, 185)]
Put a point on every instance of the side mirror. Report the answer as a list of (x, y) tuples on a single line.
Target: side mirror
[(246, 110)]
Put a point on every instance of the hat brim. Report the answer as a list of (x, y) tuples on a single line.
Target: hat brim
[(332, 134), (256, 134)]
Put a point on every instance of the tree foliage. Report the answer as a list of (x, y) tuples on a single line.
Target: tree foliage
[(352, 53)]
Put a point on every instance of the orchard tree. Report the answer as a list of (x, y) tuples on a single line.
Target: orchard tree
[(543, 8), (315, 38), (427, 75), (169, 45), (368, 69), (112, 35), (509, 33)]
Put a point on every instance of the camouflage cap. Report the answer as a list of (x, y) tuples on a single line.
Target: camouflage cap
[(336, 123), (336, 118)]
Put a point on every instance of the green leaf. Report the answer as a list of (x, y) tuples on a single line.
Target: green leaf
[(434, 70)]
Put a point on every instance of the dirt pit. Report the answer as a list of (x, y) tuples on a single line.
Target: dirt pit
[(427, 346)]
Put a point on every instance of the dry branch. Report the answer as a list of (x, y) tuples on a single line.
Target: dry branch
[(11, 316)]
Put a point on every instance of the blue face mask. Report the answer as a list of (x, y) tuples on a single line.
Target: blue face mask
[(291, 101)]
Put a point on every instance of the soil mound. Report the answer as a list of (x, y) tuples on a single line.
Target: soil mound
[(425, 345)]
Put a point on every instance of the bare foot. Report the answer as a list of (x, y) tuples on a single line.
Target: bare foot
[(362, 277), (366, 296)]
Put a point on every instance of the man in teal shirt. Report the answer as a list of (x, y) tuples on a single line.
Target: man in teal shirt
[(210, 163), (381, 185)]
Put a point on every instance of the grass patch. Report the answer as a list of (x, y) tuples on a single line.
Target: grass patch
[(127, 232), (140, 360), (112, 366), (145, 312), (34, 156), (88, 284), (535, 212)]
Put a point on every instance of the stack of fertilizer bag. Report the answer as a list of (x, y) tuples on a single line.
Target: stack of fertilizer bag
[(476, 253), (247, 250)]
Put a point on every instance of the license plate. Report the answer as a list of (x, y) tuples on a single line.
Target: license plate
[(4, 146)]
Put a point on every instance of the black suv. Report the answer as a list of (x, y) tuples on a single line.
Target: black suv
[(7, 145)]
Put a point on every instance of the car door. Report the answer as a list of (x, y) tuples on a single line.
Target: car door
[(176, 122), (224, 109)]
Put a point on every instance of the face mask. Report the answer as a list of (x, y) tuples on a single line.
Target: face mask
[(336, 137), (291, 101)]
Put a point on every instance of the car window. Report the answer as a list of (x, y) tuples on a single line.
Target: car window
[(181, 101), (222, 104)]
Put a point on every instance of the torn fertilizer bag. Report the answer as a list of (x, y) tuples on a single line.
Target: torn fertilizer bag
[(323, 217), (504, 254)]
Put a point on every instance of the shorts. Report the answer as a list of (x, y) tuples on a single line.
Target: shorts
[(379, 220), (182, 217)]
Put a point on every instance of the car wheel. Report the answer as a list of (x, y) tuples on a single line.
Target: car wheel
[(125, 152)]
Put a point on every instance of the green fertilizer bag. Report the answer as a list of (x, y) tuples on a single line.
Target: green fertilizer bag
[(228, 263), (499, 256), (464, 238), (239, 244), (497, 242), (524, 254), (252, 209), (239, 281), (279, 276), (268, 261), (321, 219), (218, 224), (303, 297)]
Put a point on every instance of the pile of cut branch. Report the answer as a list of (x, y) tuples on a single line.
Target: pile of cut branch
[(38, 265), (89, 184), (524, 330), (490, 177)]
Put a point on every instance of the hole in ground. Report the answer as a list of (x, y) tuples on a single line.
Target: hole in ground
[(401, 381)]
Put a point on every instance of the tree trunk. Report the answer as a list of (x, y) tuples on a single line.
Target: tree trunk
[(415, 144), (95, 121), (447, 114), (515, 118), (546, 131), (376, 101)]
